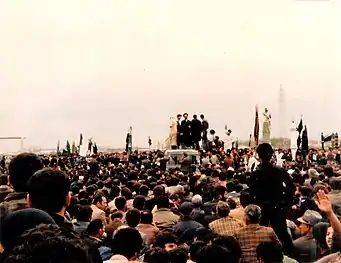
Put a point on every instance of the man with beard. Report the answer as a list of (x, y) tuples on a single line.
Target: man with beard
[(196, 130), (186, 131)]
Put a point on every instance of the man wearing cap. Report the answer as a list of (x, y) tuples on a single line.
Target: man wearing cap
[(186, 228), (305, 246)]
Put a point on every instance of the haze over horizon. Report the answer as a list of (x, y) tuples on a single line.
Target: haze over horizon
[(98, 67)]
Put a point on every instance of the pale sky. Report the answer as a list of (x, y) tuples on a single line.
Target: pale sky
[(98, 66)]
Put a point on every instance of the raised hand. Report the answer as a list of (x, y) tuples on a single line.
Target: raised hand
[(323, 202)]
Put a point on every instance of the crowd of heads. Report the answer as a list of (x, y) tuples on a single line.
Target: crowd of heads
[(76, 209)]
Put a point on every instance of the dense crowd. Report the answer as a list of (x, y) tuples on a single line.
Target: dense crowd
[(240, 205)]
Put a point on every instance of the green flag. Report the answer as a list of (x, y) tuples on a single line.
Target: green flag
[(68, 147)]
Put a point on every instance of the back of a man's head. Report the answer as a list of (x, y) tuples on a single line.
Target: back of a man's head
[(84, 213), (162, 202), (21, 168), (269, 252), (265, 152), (47, 242), (127, 242), (49, 190), (133, 217), (214, 253)]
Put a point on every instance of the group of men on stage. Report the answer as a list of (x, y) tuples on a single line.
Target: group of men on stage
[(187, 133)]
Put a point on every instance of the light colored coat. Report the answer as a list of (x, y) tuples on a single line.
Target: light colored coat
[(98, 214), (164, 218), (173, 132)]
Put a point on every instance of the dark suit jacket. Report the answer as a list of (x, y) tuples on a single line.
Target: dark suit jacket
[(305, 249), (271, 185), (196, 129)]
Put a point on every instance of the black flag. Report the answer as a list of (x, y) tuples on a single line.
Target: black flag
[(90, 145), (305, 141), (95, 149), (149, 141), (80, 139)]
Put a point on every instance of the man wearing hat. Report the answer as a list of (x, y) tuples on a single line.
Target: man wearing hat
[(305, 246), (186, 228)]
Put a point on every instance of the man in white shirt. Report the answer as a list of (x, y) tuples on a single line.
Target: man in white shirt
[(279, 159), (253, 163), (229, 140)]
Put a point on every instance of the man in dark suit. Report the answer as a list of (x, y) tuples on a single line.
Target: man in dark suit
[(196, 129), (178, 136), (186, 131), (205, 127), (272, 189)]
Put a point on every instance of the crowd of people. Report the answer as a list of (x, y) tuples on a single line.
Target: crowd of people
[(240, 205)]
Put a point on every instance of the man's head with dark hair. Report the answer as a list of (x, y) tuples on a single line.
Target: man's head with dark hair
[(21, 168), (232, 203), (47, 242), (100, 201), (178, 255), (91, 189), (194, 250), (270, 252), (202, 116), (127, 193), (95, 228), (100, 184), (232, 244), (84, 213), (245, 198), (75, 190), (265, 152), (139, 202), (121, 203), (144, 190), (127, 242), (186, 209), (146, 217), (83, 195), (214, 253), (165, 239), (219, 192), (158, 191), (162, 202), (49, 191), (133, 217), (306, 191), (156, 255), (18, 222), (116, 215), (115, 192)]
